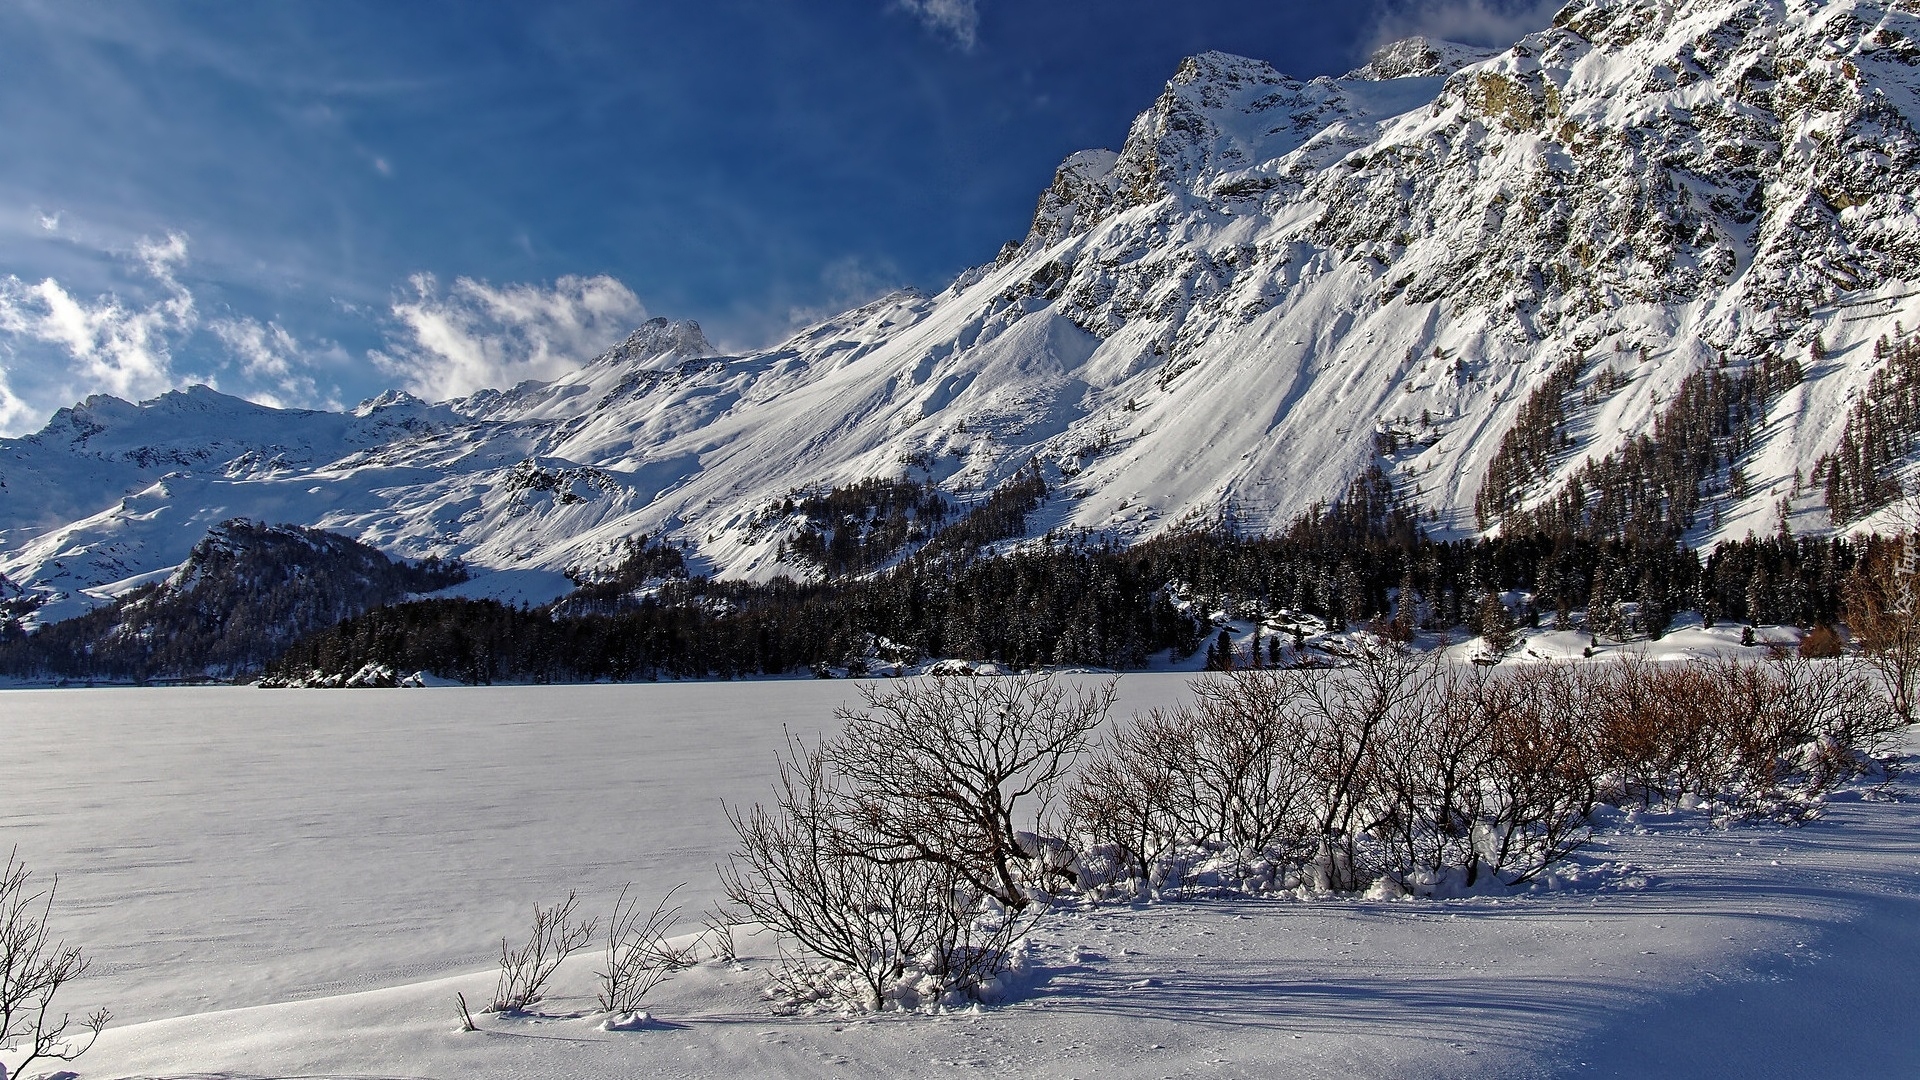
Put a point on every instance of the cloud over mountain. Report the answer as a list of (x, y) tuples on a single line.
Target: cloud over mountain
[(479, 335), (112, 345)]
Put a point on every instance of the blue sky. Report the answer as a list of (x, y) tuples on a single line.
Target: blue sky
[(307, 201)]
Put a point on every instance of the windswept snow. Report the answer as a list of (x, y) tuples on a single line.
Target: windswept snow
[(296, 883)]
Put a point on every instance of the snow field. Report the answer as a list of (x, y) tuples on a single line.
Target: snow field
[(309, 877)]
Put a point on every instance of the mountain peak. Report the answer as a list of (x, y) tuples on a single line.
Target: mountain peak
[(1419, 58), (660, 339), (388, 399), (1275, 286), (1224, 69)]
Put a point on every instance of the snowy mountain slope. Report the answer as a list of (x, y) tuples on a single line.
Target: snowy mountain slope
[(1218, 320)]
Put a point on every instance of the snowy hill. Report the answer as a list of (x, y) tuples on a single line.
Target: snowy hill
[(1271, 285)]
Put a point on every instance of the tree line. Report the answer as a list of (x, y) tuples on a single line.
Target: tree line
[(1071, 601), (1880, 432), (295, 602), (1654, 488)]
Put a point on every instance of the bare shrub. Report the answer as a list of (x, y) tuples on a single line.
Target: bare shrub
[(1426, 783), (936, 769), (1435, 776), (1483, 772), (1742, 733), (1248, 744), (638, 957), (1821, 643), (33, 969), (1223, 774), (1654, 727), (718, 935), (1827, 720), (1347, 716), (1543, 776), (815, 871), (1125, 799), (1883, 613), (524, 971)]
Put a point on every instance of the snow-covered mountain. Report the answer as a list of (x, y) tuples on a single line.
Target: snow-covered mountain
[(1220, 320)]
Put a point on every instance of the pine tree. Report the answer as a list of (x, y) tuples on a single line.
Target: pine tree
[(1496, 624)]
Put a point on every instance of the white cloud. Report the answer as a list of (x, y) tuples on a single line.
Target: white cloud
[(14, 413), (1495, 23), (958, 19), (265, 350), (50, 222), (116, 347), (274, 362), (478, 335), (63, 346)]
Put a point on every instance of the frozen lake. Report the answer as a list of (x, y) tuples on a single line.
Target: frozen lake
[(300, 880), (229, 846)]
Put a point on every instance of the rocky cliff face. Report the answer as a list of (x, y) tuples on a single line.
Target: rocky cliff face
[(1270, 286)]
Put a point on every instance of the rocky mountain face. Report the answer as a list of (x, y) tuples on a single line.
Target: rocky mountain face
[(1271, 286)]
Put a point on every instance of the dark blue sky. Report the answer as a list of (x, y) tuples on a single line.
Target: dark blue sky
[(246, 193)]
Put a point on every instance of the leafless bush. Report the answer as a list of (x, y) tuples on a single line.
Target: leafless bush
[(1883, 614), (1347, 718), (892, 854), (1438, 776), (33, 969), (718, 935), (1655, 727), (1806, 727), (936, 770), (1481, 772), (638, 957), (524, 971), (1543, 777), (1249, 743), (1224, 773), (1743, 734), (1426, 784), (815, 871), (1126, 799)]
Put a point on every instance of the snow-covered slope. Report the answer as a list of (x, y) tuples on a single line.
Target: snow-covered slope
[(1217, 320)]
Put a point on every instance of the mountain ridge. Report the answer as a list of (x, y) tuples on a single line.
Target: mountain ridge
[(1231, 317)]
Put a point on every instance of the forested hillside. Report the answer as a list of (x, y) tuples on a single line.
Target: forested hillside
[(247, 592)]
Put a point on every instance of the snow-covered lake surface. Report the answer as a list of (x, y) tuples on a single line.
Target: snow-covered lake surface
[(294, 883)]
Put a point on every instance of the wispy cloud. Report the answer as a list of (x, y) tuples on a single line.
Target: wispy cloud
[(957, 19), (116, 347), (479, 335), (273, 362), (57, 346), (60, 346), (849, 282), (1495, 23), (14, 413)]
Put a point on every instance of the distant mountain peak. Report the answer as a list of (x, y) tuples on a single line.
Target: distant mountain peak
[(660, 339), (1225, 70), (1420, 57), (390, 399)]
